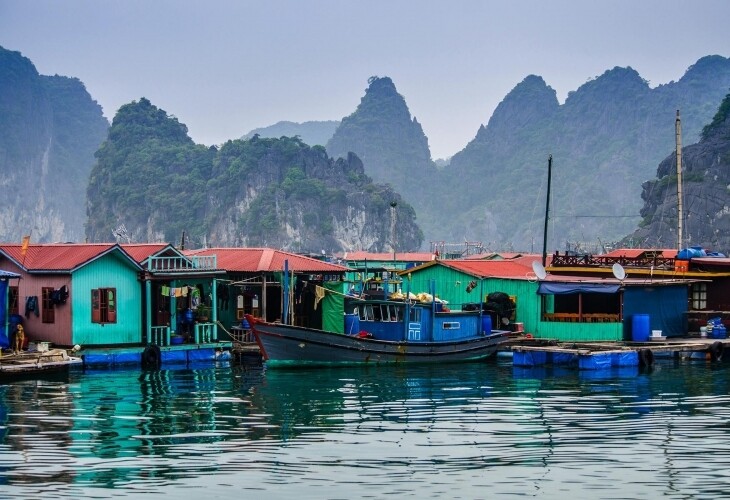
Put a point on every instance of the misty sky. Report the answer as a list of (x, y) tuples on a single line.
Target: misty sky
[(226, 67)]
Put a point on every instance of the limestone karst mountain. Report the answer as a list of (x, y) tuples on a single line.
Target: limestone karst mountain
[(279, 193), (50, 128), (705, 181)]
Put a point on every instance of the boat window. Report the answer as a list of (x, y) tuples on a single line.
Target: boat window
[(377, 315), (398, 313), (452, 325), (415, 315), (367, 312), (390, 312)]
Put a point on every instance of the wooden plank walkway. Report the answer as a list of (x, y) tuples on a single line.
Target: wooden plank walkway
[(31, 362)]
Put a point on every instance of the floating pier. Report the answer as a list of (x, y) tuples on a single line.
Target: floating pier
[(602, 355), (37, 361), (153, 356)]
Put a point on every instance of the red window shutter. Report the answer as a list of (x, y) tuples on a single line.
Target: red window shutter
[(112, 304), (95, 306)]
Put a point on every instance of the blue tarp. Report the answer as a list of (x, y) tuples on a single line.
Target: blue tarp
[(547, 288), (665, 305), (4, 340)]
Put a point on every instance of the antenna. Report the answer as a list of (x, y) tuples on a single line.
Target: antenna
[(539, 270), (618, 271)]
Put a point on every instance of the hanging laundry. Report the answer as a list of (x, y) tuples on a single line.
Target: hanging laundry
[(318, 295), (31, 306), (195, 299)]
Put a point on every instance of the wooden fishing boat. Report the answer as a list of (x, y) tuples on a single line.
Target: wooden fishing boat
[(383, 331)]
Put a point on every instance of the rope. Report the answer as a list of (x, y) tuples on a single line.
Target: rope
[(223, 328), (241, 339)]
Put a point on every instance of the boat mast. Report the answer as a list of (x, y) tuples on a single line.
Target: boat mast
[(678, 134), (547, 212)]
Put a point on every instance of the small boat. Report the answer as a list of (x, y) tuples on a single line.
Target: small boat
[(383, 331)]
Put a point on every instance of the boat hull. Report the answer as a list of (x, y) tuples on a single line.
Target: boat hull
[(286, 344)]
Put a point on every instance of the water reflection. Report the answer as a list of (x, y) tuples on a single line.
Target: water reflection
[(485, 428)]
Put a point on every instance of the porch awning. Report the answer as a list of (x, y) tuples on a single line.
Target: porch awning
[(546, 288)]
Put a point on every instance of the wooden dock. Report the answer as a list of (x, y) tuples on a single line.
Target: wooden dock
[(34, 362)]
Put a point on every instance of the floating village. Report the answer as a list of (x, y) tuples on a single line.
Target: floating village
[(76, 306)]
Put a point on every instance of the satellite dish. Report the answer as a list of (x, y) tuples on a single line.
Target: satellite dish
[(618, 271), (539, 270)]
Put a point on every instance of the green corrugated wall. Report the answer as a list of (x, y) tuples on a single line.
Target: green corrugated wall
[(451, 287)]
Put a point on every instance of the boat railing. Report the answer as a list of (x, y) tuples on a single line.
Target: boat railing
[(159, 335)]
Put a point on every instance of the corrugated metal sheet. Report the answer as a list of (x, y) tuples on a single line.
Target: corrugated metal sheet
[(668, 253), (143, 251), (492, 268), (451, 286), (382, 256), (58, 257), (265, 260)]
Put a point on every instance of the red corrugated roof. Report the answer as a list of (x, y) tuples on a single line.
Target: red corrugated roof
[(638, 252), (399, 257), (61, 257), (265, 259), (492, 268), (143, 251)]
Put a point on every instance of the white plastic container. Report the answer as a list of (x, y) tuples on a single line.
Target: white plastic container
[(703, 332)]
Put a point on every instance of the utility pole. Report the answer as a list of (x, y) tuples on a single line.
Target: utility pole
[(680, 216), (547, 212)]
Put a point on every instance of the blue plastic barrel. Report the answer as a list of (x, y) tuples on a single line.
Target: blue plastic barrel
[(719, 332), (486, 324), (352, 324), (640, 328)]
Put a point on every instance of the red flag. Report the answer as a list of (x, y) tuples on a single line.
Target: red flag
[(26, 242)]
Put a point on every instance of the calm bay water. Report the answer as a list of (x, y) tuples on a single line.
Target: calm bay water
[(475, 430)]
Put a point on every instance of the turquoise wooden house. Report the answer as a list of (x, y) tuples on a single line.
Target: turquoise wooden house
[(68, 294), (564, 308), (180, 294)]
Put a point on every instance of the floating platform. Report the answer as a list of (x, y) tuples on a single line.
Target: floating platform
[(601, 355), (37, 361), (153, 356)]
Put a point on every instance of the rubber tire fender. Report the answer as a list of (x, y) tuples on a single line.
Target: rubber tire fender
[(646, 357), (716, 351), (151, 357)]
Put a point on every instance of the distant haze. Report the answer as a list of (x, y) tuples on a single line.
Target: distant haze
[(225, 68)]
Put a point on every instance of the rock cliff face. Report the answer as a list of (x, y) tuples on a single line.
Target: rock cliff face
[(605, 141), (390, 143), (706, 189), (49, 130), (279, 193)]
